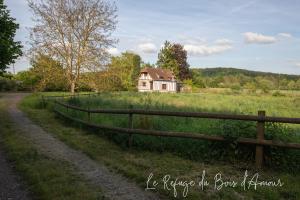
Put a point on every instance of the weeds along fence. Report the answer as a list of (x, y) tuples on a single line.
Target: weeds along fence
[(55, 97), (260, 120)]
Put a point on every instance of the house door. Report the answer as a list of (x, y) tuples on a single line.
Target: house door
[(151, 85)]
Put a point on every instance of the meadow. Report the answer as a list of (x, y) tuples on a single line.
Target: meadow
[(180, 158), (277, 158)]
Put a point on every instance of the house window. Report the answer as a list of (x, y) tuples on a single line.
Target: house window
[(144, 84), (164, 86)]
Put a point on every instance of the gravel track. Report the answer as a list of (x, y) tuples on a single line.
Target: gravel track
[(113, 185)]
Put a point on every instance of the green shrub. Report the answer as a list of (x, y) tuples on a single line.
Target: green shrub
[(277, 94), (7, 84)]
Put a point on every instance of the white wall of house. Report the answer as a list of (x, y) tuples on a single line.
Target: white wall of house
[(170, 86), (144, 85), (145, 81)]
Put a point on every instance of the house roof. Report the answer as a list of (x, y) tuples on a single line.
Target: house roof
[(158, 73)]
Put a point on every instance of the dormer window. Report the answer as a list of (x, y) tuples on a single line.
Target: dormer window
[(144, 75)]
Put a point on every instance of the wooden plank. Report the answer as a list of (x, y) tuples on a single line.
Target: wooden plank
[(268, 143), (184, 134)]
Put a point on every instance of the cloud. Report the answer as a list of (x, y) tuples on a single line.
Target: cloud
[(205, 50), (286, 35), (197, 46), (293, 62), (113, 51), (256, 38), (191, 40), (223, 41), (147, 47)]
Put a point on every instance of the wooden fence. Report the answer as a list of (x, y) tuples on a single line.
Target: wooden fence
[(260, 119)]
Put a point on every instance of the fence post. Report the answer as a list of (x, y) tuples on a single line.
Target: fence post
[(259, 156), (130, 125)]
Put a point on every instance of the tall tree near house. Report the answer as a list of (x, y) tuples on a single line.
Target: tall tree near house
[(174, 57), (166, 59), (127, 67), (10, 50), (147, 65), (76, 33), (180, 55)]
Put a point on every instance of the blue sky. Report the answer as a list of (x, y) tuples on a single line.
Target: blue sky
[(260, 35)]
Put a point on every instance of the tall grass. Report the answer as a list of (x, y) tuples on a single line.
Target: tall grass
[(194, 149)]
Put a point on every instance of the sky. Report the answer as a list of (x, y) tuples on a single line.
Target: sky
[(260, 35)]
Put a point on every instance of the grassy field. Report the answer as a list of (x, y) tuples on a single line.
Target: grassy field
[(138, 163), (46, 178), (201, 150), (225, 102)]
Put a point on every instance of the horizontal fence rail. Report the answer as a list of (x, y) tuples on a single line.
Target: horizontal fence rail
[(182, 134), (261, 119), (70, 95)]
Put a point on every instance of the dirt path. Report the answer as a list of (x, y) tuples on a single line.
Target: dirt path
[(113, 185), (10, 187)]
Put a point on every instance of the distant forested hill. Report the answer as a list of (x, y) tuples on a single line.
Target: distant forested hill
[(220, 71), (241, 78)]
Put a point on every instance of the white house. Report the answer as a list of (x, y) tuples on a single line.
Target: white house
[(157, 79)]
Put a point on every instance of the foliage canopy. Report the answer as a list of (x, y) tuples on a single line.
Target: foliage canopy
[(174, 58), (10, 50)]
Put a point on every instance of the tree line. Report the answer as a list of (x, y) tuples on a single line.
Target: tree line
[(120, 73), (237, 79), (69, 45), (68, 52)]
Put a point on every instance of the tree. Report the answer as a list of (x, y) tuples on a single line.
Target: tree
[(174, 58), (198, 79), (297, 84), (27, 79), (45, 74), (291, 85), (166, 59), (103, 81), (49, 72), (180, 56), (264, 84), (9, 49), (7, 82), (147, 65), (127, 67), (76, 33)]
